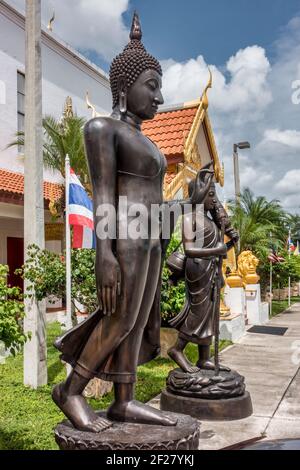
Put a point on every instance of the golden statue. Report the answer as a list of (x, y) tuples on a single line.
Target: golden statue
[(247, 264)]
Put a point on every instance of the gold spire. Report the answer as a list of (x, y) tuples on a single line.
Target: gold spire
[(49, 27), (90, 105), (68, 108), (204, 95)]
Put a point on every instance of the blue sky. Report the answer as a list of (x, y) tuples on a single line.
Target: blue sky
[(253, 50), (183, 29)]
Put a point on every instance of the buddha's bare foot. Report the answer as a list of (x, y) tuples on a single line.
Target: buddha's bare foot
[(136, 412), (210, 365), (81, 415), (182, 361)]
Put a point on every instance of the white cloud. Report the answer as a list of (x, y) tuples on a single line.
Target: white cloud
[(251, 100), (290, 183), (87, 24), (245, 94), (291, 138)]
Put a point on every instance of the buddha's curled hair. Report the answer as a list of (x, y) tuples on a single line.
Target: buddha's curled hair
[(132, 61)]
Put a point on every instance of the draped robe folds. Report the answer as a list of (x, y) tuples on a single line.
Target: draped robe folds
[(196, 321), (73, 341)]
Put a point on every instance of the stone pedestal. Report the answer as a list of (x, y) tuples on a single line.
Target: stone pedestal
[(226, 409), (235, 299), (204, 395), (232, 328), (97, 388), (256, 314), (264, 312), (128, 436)]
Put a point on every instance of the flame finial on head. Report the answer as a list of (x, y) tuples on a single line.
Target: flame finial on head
[(136, 30), (131, 62)]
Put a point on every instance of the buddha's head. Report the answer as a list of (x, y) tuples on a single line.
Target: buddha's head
[(135, 78)]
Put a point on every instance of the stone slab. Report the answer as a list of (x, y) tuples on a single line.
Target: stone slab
[(290, 405), (232, 328), (280, 428), (216, 435)]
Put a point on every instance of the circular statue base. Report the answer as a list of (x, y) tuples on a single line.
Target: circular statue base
[(206, 396), (226, 409), (128, 436)]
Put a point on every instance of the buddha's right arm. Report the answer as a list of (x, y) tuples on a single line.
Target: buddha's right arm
[(100, 149)]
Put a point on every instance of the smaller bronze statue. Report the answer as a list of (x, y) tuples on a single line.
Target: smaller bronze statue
[(198, 322)]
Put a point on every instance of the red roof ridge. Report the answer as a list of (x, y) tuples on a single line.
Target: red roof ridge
[(13, 182)]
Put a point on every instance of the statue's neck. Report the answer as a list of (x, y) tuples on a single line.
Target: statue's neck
[(128, 117)]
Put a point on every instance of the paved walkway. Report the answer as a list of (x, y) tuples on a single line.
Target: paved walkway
[(273, 381)]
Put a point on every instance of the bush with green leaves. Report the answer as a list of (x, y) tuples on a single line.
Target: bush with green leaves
[(172, 296), (290, 267), (11, 314), (46, 273)]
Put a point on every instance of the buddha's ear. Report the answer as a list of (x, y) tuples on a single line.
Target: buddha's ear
[(122, 83), (122, 88)]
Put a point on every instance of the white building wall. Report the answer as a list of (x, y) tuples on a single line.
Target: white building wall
[(65, 73)]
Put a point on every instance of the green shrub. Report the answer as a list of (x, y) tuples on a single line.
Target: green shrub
[(11, 314)]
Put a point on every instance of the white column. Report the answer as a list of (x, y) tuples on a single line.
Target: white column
[(257, 313), (68, 249), (35, 352)]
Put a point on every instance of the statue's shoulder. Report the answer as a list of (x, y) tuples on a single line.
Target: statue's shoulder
[(102, 125)]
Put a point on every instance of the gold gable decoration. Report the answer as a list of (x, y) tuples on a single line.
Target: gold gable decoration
[(54, 232), (191, 150)]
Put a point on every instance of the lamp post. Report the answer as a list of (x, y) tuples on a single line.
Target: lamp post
[(241, 146)]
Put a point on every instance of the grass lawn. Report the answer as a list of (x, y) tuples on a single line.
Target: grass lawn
[(27, 417), (279, 306)]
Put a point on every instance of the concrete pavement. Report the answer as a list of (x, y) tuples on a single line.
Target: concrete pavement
[(271, 366)]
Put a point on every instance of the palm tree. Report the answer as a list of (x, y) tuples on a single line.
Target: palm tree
[(62, 137), (256, 218)]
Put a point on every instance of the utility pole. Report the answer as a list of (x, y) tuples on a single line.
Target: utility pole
[(35, 352), (236, 170), (237, 184)]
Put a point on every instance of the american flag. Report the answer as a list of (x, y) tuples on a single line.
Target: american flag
[(274, 258)]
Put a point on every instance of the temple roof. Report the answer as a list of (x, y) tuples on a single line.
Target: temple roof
[(12, 185), (169, 130)]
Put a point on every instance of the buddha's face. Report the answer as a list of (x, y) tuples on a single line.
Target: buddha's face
[(210, 200), (144, 96)]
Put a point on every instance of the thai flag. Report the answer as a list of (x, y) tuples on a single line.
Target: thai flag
[(80, 214)]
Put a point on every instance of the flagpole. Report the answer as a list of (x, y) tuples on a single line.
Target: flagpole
[(271, 287), (289, 259), (68, 248)]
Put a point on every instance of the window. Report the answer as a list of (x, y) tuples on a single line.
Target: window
[(21, 105)]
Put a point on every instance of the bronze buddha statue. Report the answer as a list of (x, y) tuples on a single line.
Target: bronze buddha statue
[(124, 331)]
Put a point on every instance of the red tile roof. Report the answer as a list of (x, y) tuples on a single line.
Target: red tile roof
[(169, 130), (13, 183)]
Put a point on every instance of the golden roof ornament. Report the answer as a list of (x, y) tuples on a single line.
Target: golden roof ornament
[(204, 95), (90, 105), (51, 21), (68, 108)]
